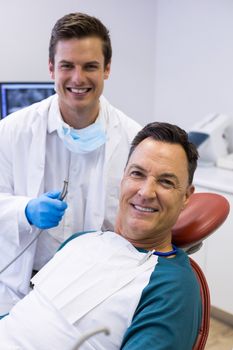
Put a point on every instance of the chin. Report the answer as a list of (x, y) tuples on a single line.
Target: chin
[(137, 231)]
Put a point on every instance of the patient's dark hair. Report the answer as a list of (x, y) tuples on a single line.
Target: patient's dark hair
[(169, 133)]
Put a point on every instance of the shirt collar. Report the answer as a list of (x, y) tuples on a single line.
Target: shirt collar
[(55, 118)]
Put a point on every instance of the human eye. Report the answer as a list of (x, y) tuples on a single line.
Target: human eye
[(167, 183), (65, 65), (136, 173), (91, 66)]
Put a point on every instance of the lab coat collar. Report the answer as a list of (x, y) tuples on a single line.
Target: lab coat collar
[(112, 127), (55, 117), (48, 121), (107, 117), (37, 152)]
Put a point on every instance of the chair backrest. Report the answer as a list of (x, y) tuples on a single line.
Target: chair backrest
[(205, 298), (204, 213)]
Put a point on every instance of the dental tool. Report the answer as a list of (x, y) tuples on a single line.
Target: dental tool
[(90, 334), (61, 197)]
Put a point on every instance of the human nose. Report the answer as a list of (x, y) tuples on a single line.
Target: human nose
[(148, 189), (78, 75)]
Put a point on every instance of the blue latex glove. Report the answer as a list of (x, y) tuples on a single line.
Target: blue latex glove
[(45, 211)]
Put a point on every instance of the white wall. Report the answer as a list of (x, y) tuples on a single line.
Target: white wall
[(25, 28), (194, 59), (172, 59)]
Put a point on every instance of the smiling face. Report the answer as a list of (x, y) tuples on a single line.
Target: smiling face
[(154, 190), (79, 73)]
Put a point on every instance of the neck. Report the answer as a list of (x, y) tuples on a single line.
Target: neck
[(159, 247), (158, 241), (161, 242), (79, 118)]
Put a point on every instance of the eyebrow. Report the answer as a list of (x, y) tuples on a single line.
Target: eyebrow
[(92, 62), (71, 62), (64, 61), (137, 167)]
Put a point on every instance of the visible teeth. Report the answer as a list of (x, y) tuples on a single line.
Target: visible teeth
[(138, 207), (79, 91)]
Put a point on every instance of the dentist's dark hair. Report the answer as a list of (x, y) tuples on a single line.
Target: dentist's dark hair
[(77, 26), (169, 133)]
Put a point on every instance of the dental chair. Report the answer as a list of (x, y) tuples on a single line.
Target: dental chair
[(204, 214)]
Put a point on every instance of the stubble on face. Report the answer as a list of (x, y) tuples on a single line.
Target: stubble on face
[(154, 190)]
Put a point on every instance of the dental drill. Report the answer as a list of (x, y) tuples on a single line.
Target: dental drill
[(61, 197)]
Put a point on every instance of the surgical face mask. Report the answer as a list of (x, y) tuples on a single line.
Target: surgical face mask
[(83, 140)]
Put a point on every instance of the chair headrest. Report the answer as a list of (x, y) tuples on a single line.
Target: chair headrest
[(204, 213)]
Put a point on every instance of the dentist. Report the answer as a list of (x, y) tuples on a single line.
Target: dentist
[(76, 135)]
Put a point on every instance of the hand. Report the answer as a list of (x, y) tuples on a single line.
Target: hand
[(45, 211)]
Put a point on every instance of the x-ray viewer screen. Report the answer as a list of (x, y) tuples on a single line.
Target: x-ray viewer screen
[(15, 96)]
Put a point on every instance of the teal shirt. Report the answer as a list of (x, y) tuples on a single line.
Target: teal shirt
[(168, 315)]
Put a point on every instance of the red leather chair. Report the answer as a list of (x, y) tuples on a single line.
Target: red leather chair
[(204, 213)]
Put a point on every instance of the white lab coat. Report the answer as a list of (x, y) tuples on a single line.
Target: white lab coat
[(22, 167)]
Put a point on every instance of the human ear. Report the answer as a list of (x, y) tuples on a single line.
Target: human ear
[(107, 71), (189, 191), (51, 70)]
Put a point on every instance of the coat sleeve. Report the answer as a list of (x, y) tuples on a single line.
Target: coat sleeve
[(15, 230), (12, 205)]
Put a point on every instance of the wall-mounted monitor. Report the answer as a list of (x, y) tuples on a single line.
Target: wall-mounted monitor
[(16, 95)]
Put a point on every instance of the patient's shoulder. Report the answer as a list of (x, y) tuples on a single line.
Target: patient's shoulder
[(75, 235)]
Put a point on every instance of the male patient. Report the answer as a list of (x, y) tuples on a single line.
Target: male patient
[(133, 280)]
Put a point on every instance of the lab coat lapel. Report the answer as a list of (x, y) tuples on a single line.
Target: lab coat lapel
[(36, 161), (103, 182), (111, 122), (116, 155), (101, 185), (113, 139)]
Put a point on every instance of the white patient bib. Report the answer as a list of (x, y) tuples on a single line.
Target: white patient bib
[(96, 280)]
